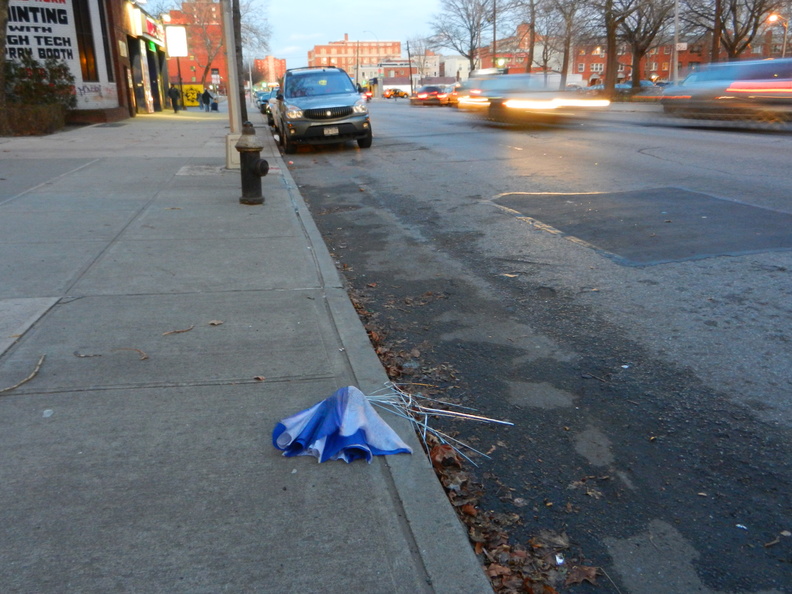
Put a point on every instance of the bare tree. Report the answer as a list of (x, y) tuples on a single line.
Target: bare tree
[(613, 13), (550, 27), (256, 29), (525, 13), (419, 46), (734, 23), (570, 13), (461, 25), (641, 28), (159, 7), (205, 30)]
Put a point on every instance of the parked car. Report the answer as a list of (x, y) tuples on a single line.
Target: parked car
[(752, 89), (320, 105), (272, 106), (526, 98), (261, 99), (394, 93), (265, 105), (430, 95)]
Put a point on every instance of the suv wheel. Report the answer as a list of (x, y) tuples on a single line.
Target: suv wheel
[(289, 147), (365, 142)]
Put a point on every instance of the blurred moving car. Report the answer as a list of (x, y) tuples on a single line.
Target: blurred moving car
[(430, 95), (320, 105), (525, 98), (394, 93), (757, 90)]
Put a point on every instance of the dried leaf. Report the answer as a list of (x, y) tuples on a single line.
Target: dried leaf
[(259, 378), (143, 356), (81, 356), (495, 570), (216, 323), (580, 573), (469, 510), (28, 378), (178, 331), (443, 455)]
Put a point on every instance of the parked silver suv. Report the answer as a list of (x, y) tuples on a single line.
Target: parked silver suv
[(320, 106)]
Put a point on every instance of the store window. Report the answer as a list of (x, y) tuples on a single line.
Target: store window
[(85, 41)]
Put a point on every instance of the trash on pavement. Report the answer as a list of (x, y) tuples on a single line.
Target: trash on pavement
[(418, 409), (343, 426)]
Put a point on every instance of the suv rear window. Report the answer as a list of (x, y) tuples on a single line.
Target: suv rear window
[(312, 84)]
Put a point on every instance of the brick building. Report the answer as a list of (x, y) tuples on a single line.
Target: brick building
[(658, 65), (357, 57), (268, 71), (206, 66)]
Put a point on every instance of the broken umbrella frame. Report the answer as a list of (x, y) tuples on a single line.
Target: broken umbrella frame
[(346, 427), (418, 409)]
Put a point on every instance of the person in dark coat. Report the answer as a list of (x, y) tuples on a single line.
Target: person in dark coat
[(206, 99), (174, 95)]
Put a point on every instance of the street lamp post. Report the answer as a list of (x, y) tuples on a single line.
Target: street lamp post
[(775, 18)]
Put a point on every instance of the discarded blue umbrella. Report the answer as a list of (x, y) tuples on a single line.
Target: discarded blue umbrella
[(342, 427)]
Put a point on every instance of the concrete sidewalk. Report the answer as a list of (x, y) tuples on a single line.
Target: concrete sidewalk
[(138, 458)]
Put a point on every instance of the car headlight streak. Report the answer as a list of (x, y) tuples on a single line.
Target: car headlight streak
[(554, 103)]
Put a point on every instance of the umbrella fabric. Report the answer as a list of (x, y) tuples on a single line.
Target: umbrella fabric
[(342, 427)]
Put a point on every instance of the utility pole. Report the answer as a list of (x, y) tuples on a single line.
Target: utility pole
[(238, 54), (232, 155), (494, 33)]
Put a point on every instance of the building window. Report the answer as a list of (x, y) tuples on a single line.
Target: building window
[(667, 49), (582, 52), (581, 67), (598, 67), (85, 40), (665, 66), (652, 66)]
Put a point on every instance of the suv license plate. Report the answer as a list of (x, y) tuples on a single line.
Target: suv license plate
[(331, 131)]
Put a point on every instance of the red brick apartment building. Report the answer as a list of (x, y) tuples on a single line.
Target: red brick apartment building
[(354, 55), (657, 65), (206, 65), (268, 71)]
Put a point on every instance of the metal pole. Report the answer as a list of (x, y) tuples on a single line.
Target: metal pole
[(233, 76), (675, 53), (784, 42)]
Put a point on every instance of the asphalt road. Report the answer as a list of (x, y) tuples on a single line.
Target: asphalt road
[(618, 289)]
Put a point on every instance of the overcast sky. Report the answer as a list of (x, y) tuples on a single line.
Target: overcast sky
[(298, 26)]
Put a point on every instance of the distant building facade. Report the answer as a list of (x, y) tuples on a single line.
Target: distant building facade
[(206, 66), (356, 56), (268, 71)]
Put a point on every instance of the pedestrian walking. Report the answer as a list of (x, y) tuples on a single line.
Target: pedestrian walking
[(206, 99), (175, 95)]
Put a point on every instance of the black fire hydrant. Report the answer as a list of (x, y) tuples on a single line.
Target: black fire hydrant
[(251, 165)]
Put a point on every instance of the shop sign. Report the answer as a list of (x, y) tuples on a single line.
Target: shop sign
[(42, 29)]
